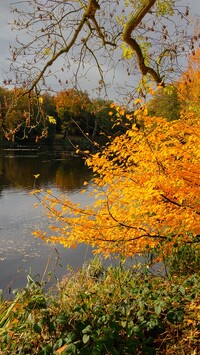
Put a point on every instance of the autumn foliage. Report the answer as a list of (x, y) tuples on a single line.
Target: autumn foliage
[(71, 102), (146, 190), (189, 87)]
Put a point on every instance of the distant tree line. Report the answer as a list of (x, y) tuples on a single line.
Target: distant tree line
[(40, 117), (37, 117)]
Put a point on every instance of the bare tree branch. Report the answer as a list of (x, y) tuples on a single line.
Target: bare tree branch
[(127, 33), (91, 35)]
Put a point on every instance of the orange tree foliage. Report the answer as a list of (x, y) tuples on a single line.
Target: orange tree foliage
[(71, 102), (146, 188), (71, 106), (189, 87)]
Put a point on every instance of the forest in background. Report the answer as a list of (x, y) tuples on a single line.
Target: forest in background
[(70, 113)]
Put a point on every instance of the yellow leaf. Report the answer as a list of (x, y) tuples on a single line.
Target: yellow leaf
[(122, 112), (51, 119), (60, 350), (49, 192), (82, 191), (47, 51), (137, 101), (129, 117), (127, 53), (158, 87)]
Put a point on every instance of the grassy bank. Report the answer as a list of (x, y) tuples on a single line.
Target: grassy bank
[(112, 311)]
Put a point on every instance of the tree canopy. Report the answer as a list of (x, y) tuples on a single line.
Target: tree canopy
[(165, 102), (93, 38), (146, 179), (189, 93), (146, 184)]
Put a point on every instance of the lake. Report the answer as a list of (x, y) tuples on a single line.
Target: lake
[(20, 253)]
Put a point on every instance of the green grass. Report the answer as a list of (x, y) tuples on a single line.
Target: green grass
[(112, 311)]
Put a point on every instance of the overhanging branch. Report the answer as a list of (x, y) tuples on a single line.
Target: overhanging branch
[(127, 38), (89, 13)]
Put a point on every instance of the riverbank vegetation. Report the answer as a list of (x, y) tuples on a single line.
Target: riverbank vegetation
[(117, 310)]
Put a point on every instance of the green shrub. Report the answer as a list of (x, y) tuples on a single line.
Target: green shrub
[(97, 311)]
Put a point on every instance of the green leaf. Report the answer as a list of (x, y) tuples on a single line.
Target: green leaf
[(136, 329), (85, 338), (6, 339), (47, 349), (37, 328), (71, 337), (175, 316), (62, 319), (182, 290), (71, 349), (58, 344), (87, 329), (158, 309), (51, 326)]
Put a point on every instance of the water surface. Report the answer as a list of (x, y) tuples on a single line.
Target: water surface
[(20, 253)]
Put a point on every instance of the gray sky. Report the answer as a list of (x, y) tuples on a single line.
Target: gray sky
[(7, 36)]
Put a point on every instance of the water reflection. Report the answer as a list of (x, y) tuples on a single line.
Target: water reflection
[(18, 167), (19, 251)]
